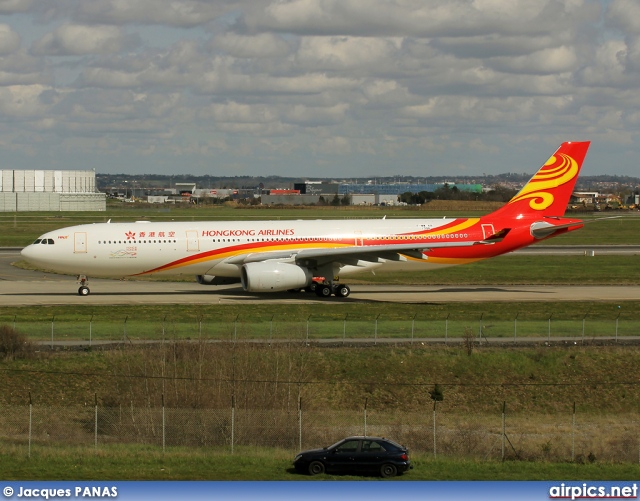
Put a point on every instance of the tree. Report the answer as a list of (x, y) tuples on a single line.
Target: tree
[(436, 394)]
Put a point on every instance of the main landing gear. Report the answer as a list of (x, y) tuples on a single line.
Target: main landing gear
[(327, 290), (83, 290)]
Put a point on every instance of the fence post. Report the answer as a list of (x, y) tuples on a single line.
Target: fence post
[(30, 422), (504, 425), (365, 416), (164, 433), (300, 423), (446, 328), (549, 330), (90, 330), (124, 329), (434, 429), (375, 332), (233, 420), (271, 330), (617, 325), (584, 319), (344, 329), (308, 318), (515, 327), (53, 318), (413, 325), (573, 434), (95, 430), (235, 328)]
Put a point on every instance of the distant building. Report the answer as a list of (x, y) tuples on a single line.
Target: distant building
[(400, 188), (50, 190), (317, 188)]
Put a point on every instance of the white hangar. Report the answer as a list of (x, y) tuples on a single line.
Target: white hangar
[(50, 190)]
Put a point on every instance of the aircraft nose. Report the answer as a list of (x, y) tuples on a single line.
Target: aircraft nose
[(29, 253), (26, 252)]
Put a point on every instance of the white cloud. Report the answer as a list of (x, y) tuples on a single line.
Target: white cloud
[(624, 15), (265, 84), (260, 45), (9, 40), (181, 13), (22, 101), (14, 6), (74, 40)]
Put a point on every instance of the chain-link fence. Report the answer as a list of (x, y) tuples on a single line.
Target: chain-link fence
[(443, 328), (568, 436)]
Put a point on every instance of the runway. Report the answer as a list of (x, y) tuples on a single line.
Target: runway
[(23, 288)]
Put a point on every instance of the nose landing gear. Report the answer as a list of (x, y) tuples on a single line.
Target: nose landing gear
[(83, 290)]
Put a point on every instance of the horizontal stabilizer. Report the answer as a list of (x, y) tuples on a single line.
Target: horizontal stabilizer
[(542, 229)]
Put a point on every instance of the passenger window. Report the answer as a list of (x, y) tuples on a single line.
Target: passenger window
[(371, 446), (348, 447)]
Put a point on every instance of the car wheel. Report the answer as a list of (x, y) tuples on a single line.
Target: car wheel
[(388, 470), (316, 468)]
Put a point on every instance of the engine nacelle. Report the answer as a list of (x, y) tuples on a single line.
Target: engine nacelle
[(214, 280), (274, 276)]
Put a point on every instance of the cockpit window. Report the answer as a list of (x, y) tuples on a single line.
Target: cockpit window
[(44, 241), (50, 241), (37, 241)]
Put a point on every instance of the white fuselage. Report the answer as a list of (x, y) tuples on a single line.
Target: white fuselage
[(209, 248)]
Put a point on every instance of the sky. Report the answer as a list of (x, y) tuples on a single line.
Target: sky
[(318, 88)]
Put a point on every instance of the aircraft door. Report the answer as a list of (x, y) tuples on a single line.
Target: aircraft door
[(487, 230), (193, 243), (80, 242), (358, 238)]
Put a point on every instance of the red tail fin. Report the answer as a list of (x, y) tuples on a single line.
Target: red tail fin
[(548, 192)]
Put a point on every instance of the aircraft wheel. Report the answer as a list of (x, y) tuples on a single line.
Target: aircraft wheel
[(343, 291), (323, 291), (83, 291)]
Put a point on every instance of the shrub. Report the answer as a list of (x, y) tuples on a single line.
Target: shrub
[(13, 344)]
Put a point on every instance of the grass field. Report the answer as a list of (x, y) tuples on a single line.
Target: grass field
[(147, 463), (534, 381), (20, 229), (581, 320)]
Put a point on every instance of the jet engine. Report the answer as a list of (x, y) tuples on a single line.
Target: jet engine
[(274, 276), (214, 280)]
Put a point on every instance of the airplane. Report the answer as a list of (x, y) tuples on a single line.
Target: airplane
[(272, 256)]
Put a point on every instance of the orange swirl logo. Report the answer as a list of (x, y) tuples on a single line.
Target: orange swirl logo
[(557, 171)]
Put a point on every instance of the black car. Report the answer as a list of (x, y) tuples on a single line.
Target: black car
[(356, 455)]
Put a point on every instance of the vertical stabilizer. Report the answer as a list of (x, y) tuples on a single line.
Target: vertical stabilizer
[(548, 192)]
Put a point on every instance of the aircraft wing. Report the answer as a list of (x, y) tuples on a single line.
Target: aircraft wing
[(369, 253)]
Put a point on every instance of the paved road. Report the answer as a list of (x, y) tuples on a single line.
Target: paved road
[(22, 287)]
